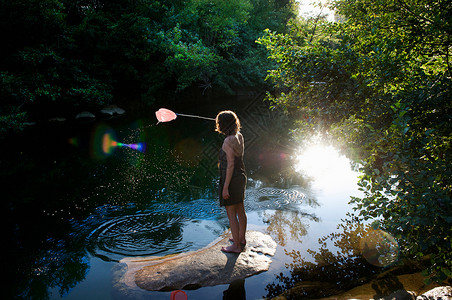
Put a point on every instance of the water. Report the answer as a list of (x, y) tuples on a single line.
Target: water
[(73, 210)]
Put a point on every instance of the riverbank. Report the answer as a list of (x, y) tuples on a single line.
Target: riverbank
[(401, 282)]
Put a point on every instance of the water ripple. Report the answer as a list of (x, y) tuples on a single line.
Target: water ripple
[(276, 198), (171, 227), (151, 234)]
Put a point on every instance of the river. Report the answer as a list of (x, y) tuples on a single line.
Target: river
[(78, 197)]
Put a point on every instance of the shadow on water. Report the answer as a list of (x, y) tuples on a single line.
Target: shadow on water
[(68, 201)]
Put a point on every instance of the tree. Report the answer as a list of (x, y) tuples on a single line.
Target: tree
[(58, 55), (38, 68), (378, 85)]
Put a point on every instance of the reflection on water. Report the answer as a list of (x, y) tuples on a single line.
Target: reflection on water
[(331, 271), (284, 225), (379, 248), (85, 204), (343, 258), (178, 226), (260, 197), (151, 234), (325, 165)]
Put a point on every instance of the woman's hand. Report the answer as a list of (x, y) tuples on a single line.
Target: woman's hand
[(225, 192)]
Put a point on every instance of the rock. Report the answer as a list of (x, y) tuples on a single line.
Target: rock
[(206, 267), (85, 115), (29, 124), (57, 120), (400, 295), (112, 110), (389, 287), (442, 292)]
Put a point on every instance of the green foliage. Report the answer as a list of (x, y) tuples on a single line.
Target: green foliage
[(12, 122), (378, 84), (218, 21), (188, 61), (60, 54)]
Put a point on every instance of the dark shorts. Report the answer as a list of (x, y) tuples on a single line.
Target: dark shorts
[(236, 191)]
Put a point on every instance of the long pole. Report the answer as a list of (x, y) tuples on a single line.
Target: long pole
[(193, 116)]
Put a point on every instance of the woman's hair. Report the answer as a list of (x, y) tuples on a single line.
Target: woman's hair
[(227, 123)]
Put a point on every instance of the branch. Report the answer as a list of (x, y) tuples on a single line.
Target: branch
[(315, 25), (404, 5)]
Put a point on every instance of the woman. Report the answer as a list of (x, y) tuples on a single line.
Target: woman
[(232, 178)]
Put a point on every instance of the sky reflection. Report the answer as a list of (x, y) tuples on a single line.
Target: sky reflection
[(329, 170)]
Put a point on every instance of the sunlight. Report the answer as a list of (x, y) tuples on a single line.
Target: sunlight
[(326, 166), (311, 9)]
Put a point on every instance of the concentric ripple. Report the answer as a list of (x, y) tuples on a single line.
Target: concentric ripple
[(275, 198), (151, 234)]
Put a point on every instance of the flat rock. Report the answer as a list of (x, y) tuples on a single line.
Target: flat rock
[(441, 292), (29, 124), (112, 110), (57, 120), (85, 115), (206, 267)]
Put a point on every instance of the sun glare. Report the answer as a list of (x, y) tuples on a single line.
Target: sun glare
[(325, 165), (311, 9)]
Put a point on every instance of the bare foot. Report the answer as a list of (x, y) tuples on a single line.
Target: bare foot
[(231, 249)]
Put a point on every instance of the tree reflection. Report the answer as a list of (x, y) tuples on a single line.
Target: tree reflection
[(338, 265), (280, 221), (62, 265)]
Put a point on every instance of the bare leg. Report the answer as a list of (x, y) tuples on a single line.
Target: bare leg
[(242, 222), (235, 227), (237, 223)]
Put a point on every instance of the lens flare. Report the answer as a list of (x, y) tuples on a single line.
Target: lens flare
[(74, 141), (100, 141), (379, 248), (108, 144), (139, 146), (104, 142)]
